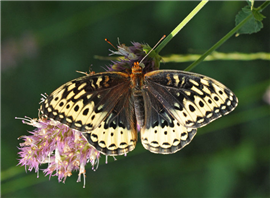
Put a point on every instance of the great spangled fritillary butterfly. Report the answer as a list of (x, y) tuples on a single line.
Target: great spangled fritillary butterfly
[(169, 106)]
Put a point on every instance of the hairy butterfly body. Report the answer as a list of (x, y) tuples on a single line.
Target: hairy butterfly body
[(168, 105)]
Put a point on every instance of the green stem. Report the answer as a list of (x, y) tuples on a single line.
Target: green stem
[(225, 38), (181, 25), (219, 43), (263, 6)]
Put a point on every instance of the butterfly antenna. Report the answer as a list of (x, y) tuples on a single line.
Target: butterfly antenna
[(110, 43), (153, 48)]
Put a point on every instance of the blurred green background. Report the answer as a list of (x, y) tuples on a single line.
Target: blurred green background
[(43, 43)]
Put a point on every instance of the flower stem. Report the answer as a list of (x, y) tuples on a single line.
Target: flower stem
[(181, 25), (263, 6), (225, 38)]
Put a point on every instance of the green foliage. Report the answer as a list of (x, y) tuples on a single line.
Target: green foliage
[(257, 15), (255, 22)]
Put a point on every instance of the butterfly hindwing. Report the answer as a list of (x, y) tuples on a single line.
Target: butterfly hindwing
[(117, 134), (161, 132), (193, 100)]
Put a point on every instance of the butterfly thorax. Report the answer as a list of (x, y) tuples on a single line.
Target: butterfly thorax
[(137, 83)]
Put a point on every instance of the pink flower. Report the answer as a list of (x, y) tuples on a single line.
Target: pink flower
[(55, 144), (133, 54)]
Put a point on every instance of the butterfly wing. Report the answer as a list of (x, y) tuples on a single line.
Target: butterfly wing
[(193, 99), (101, 107), (162, 133), (117, 134), (182, 101)]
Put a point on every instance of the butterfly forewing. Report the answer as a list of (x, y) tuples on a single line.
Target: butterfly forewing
[(98, 105), (193, 100)]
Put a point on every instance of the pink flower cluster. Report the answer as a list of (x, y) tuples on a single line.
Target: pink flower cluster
[(55, 144), (134, 53)]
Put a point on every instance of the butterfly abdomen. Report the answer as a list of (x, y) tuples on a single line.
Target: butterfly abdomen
[(139, 107), (137, 84)]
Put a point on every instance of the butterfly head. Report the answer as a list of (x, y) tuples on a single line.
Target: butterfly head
[(137, 67)]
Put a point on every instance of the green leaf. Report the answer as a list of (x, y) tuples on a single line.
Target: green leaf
[(257, 15), (253, 25)]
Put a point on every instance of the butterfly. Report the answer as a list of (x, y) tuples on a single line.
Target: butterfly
[(167, 105)]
